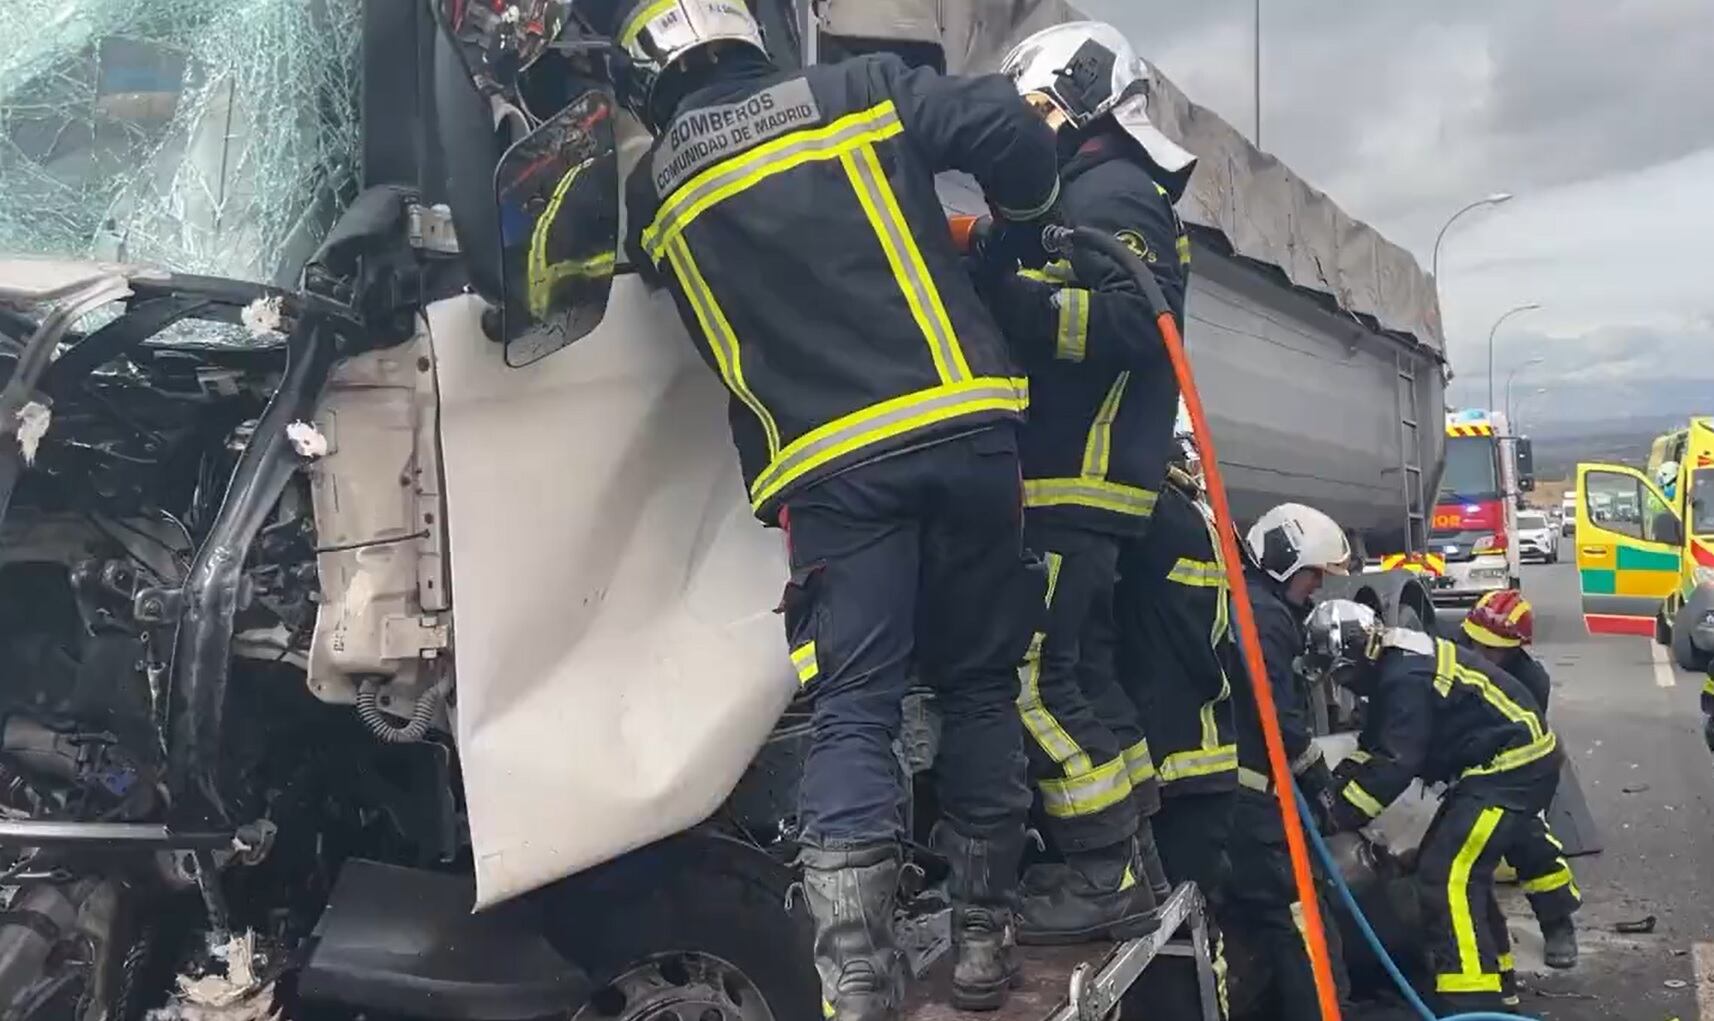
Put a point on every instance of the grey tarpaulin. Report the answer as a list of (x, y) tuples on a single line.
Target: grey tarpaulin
[(1261, 209)]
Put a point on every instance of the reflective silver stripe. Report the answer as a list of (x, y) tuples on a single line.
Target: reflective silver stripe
[(1185, 765), (885, 217), (896, 417), (1072, 341), (1097, 493), (1310, 757), (1098, 450), (722, 341), (1254, 780), (1086, 793), (724, 180)]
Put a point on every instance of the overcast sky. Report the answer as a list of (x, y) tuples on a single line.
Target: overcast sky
[(1598, 114)]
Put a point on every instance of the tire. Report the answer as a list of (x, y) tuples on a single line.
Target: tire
[(693, 906), (1662, 630), (1685, 654)]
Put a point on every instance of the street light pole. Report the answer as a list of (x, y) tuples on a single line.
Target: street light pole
[(1512, 375), (1492, 200), (1491, 332)]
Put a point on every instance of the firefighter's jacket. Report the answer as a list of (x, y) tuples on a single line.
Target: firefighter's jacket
[(1174, 609), (1279, 629), (1103, 396), (1443, 714), (1526, 669), (794, 218)]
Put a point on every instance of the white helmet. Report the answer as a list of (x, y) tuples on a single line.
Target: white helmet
[(1341, 633), (1292, 537), (1666, 474), (657, 33), (1087, 69)]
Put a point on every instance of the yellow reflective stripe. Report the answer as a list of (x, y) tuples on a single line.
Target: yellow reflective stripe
[(722, 341), (539, 276), (1197, 573), (729, 177), (1047, 731), (1184, 765), (1097, 493), (1183, 250), (1518, 612), (634, 25), (1365, 802), (1515, 757), (881, 206), (1072, 339), (1445, 663), (1254, 780), (1458, 902), (1478, 983), (827, 1010), (1359, 757), (1088, 792), (1098, 450), (1559, 878), (804, 659), (1508, 962), (1708, 686), (1139, 764), (883, 421), (1058, 271)]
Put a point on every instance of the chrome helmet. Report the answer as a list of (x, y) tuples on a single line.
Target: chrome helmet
[(1341, 637), (1087, 70), (655, 34)]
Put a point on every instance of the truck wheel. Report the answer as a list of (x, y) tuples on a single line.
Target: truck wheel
[(688, 930), (1684, 653)]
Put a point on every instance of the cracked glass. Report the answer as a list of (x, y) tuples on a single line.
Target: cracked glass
[(215, 137)]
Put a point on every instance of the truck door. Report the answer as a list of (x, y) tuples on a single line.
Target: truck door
[(1628, 540)]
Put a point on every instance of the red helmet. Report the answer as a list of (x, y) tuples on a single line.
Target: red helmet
[(1501, 619)]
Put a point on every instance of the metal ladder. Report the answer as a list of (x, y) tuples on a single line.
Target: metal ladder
[(1093, 988), (1410, 447)]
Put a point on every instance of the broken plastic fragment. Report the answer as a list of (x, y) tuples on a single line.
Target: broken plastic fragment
[(238, 995), (307, 440), (33, 419), (262, 316)]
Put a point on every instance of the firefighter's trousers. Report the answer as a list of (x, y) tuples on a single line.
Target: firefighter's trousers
[(1077, 761), (1192, 831), (913, 563), (1470, 952), (1271, 976)]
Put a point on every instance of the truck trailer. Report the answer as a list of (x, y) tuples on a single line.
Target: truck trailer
[(342, 670)]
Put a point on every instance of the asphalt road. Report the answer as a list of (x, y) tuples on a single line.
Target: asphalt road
[(1631, 723)]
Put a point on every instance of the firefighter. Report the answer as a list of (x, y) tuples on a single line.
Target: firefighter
[(1094, 456), (1292, 549), (1499, 628), (793, 216), (1439, 713)]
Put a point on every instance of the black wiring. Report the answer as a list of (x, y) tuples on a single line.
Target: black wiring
[(424, 534)]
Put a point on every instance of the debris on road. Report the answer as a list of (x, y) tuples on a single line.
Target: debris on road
[(1641, 925)]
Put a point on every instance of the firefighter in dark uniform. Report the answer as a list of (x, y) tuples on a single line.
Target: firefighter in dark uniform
[(1292, 548), (793, 216), (1439, 713), (1499, 628), (1094, 456)]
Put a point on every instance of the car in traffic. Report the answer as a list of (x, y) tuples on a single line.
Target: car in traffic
[(1538, 540), (1568, 513)]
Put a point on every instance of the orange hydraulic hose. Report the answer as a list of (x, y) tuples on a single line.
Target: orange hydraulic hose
[(1315, 935)]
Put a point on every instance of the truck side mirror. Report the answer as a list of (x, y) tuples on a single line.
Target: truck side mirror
[(1526, 464), (557, 193)]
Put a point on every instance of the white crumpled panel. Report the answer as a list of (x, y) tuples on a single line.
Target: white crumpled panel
[(203, 136)]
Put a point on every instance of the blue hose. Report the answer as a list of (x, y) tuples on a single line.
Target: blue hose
[(1405, 989)]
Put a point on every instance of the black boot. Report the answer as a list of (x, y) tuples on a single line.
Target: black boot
[(851, 895), (983, 883), (1559, 939), (1149, 856), (1096, 895)]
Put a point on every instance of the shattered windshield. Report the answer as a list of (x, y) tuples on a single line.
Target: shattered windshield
[(215, 137)]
